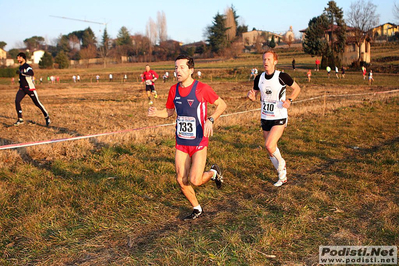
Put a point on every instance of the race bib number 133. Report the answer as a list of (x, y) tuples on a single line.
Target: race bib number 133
[(186, 128)]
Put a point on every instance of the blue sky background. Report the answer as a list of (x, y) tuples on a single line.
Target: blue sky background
[(186, 20)]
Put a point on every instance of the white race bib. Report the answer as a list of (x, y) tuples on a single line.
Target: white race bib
[(148, 82), (186, 127), (269, 107)]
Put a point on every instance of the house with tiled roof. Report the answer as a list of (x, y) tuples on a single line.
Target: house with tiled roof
[(384, 31), (351, 51)]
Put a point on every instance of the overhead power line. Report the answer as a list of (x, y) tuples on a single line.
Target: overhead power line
[(83, 20)]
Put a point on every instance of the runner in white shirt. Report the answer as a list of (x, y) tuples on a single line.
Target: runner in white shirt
[(274, 115)]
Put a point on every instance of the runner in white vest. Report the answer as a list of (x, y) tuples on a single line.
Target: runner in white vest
[(274, 115)]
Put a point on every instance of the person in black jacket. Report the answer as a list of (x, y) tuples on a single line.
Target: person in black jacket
[(27, 87)]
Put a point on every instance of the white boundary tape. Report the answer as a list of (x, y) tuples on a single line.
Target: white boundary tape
[(28, 144)]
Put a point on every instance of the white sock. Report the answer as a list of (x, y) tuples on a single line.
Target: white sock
[(281, 161), (198, 208), (274, 162)]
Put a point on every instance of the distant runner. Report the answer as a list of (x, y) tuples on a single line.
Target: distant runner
[(149, 77), (27, 87)]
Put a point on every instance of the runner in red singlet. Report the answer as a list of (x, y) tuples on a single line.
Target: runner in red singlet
[(193, 127)]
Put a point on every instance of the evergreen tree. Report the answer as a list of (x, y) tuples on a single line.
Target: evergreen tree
[(34, 42), (46, 61), (331, 24), (104, 48), (105, 40), (216, 34), (123, 37), (272, 43), (335, 17), (13, 53), (88, 38), (315, 42), (241, 29), (124, 44), (63, 44), (2, 44), (62, 60)]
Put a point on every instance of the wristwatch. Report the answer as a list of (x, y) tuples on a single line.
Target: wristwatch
[(211, 119), (290, 100)]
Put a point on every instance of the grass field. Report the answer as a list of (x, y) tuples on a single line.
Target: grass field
[(113, 200)]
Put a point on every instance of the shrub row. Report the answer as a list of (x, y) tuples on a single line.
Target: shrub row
[(8, 72)]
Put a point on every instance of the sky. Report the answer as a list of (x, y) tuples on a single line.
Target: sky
[(186, 20)]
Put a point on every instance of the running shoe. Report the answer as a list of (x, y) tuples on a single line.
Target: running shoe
[(150, 103), (155, 95), (48, 121), (279, 183), (218, 178), (194, 215), (282, 178), (20, 121)]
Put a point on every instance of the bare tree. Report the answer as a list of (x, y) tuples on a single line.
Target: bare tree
[(74, 42), (87, 53), (162, 31), (362, 16), (74, 46), (230, 24), (141, 45), (152, 34), (151, 31), (395, 11)]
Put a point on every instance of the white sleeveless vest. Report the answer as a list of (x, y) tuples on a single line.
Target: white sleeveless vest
[(272, 95)]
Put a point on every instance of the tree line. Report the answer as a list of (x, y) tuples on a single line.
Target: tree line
[(154, 45), (223, 38)]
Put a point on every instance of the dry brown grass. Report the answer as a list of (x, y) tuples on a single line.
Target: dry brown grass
[(93, 108), (113, 200)]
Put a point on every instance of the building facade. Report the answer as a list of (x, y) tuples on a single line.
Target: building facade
[(384, 31), (352, 51), (3, 54), (37, 55), (252, 37)]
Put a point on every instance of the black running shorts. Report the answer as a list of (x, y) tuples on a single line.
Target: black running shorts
[(268, 124), (149, 88)]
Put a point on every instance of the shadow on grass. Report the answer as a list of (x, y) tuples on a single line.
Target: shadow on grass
[(350, 157)]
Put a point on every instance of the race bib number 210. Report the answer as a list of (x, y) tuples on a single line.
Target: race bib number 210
[(268, 107)]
